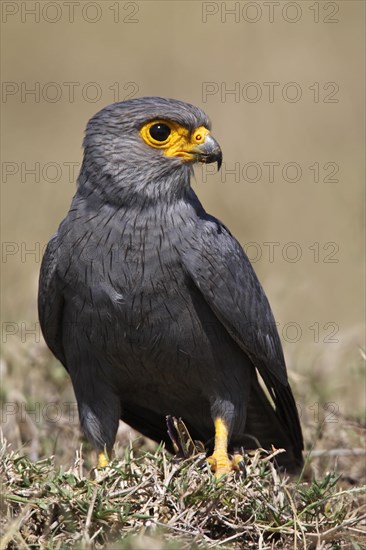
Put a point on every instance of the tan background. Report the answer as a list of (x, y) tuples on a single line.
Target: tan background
[(171, 51)]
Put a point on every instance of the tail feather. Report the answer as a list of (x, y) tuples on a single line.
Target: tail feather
[(279, 427)]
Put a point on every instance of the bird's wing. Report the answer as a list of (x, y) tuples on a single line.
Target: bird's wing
[(222, 272), (50, 301)]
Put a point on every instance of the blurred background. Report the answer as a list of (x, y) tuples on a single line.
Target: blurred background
[(283, 83)]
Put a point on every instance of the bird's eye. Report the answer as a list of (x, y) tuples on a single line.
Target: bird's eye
[(160, 131)]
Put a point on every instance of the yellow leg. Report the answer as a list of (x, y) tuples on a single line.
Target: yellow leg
[(219, 460), (102, 460)]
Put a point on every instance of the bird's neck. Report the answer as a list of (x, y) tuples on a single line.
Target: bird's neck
[(128, 189), (177, 201)]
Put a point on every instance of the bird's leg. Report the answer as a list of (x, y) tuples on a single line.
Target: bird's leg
[(99, 413), (219, 460), (103, 459)]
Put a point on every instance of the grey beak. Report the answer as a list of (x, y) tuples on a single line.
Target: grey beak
[(209, 151)]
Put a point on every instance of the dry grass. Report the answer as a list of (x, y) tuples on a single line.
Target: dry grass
[(152, 501), (148, 500)]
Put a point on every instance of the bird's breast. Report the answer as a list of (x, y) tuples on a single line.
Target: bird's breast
[(129, 274), (131, 300)]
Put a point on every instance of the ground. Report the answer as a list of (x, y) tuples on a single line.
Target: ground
[(54, 498)]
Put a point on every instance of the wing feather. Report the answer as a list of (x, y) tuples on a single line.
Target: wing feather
[(223, 273), (50, 301)]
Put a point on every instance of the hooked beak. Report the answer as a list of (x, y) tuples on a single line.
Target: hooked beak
[(208, 151)]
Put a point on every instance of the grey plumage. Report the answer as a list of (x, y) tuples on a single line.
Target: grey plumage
[(152, 305)]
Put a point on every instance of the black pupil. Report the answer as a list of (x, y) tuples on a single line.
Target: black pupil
[(160, 132)]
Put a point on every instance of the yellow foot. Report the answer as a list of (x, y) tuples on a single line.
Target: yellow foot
[(221, 464), (238, 462), (102, 460)]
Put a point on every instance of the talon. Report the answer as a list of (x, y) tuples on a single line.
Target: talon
[(239, 463)]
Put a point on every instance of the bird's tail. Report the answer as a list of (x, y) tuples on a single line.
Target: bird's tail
[(267, 426)]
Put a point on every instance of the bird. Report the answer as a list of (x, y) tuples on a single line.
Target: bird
[(152, 305)]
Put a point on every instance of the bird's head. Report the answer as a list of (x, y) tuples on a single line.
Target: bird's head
[(144, 149)]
